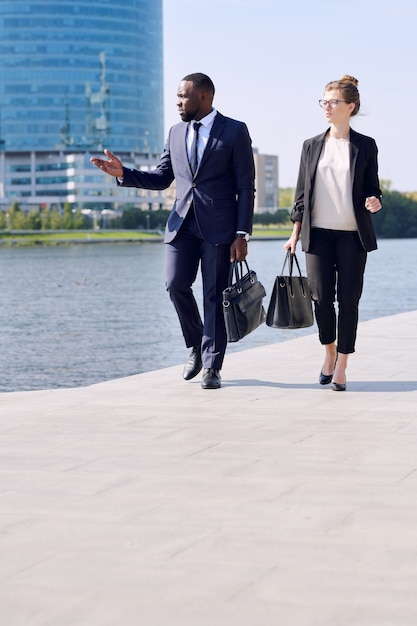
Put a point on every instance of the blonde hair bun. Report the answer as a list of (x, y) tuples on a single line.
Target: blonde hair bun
[(349, 79)]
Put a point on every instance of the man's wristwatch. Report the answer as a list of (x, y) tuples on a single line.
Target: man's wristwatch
[(244, 236)]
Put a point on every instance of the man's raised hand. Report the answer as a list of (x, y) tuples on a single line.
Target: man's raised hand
[(113, 166)]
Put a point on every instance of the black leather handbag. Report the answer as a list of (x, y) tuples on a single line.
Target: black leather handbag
[(290, 305), (242, 302)]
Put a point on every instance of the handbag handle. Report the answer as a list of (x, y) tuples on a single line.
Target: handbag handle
[(290, 258), (236, 269)]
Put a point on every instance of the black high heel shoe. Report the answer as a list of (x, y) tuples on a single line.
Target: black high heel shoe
[(339, 386), (325, 379)]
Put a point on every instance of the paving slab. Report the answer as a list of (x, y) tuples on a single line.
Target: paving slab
[(272, 501)]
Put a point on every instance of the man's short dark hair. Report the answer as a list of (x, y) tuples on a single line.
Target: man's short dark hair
[(200, 81)]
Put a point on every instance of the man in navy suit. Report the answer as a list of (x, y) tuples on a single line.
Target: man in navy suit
[(210, 157)]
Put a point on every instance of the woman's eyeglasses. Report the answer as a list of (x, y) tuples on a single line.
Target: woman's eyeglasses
[(330, 103)]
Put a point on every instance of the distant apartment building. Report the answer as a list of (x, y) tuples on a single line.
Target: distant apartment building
[(76, 77), (266, 182)]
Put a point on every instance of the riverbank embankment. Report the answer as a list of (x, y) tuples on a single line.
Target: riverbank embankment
[(69, 237)]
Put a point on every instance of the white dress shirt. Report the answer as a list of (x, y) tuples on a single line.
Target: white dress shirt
[(203, 134)]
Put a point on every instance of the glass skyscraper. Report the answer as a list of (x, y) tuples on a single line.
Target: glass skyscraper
[(77, 76)]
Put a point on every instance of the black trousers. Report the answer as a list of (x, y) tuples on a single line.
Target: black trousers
[(335, 268), (183, 257)]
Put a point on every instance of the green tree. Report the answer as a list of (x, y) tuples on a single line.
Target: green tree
[(55, 219), (398, 217), (281, 216), (67, 218), (80, 221), (158, 219), (133, 218), (3, 220), (286, 197), (17, 219), (46, 218), (33, 220)]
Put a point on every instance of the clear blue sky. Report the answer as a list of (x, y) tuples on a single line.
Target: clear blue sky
[(270, 61)]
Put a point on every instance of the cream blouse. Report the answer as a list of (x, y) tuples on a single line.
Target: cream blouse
[(332, 195)]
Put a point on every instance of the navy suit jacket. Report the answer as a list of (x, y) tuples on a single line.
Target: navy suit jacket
[(221, 191), (364, 174)]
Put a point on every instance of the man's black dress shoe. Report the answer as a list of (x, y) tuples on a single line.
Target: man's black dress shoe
[(325, 379), (211, 379), (194, 364)]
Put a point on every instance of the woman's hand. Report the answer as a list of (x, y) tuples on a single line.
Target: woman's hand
[(291, 244), (373, 204)]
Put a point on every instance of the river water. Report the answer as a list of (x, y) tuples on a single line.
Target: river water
[(80, 314)]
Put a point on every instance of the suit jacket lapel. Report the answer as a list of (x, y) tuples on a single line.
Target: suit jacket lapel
[(316, 149), (215, 133), (183, 142), (355, 141)]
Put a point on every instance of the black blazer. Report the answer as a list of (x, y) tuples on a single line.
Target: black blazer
[(221, 191), (364, 174)]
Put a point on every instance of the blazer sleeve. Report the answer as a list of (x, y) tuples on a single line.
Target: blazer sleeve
[(365, 184), (158, 178), (371, 179), (297, 212), (244, 174)]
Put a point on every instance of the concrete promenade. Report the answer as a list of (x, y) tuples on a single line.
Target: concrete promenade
[(146, 501)]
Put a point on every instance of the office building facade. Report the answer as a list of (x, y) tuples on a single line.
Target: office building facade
[(266, 182), (76, 77)]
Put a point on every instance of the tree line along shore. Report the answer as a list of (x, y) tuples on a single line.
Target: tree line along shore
[(397, 219)]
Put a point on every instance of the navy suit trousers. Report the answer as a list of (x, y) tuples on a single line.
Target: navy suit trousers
[(183, 257)]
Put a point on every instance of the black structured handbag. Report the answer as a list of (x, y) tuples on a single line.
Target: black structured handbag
[(290, 305), (242, 302)]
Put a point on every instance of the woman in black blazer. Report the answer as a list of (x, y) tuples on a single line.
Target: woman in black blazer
[(337, 189)]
